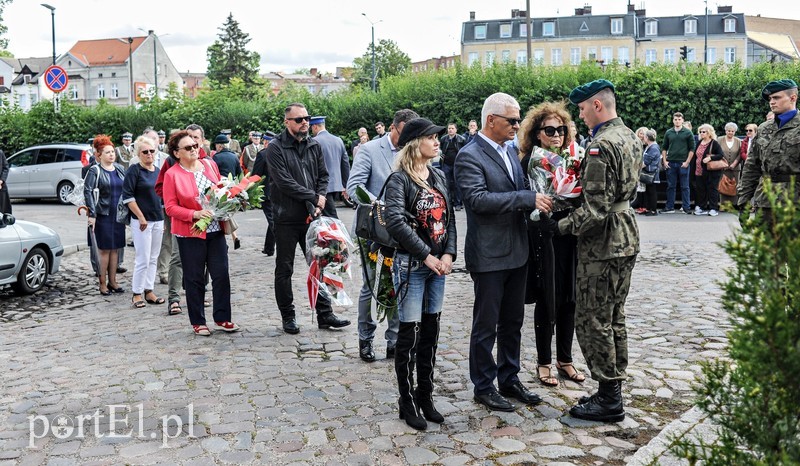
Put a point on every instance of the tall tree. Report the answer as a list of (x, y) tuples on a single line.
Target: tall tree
[(229, 58), (389, 61), (3, 27)]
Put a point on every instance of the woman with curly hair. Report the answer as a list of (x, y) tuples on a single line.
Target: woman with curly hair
[(553, 259)]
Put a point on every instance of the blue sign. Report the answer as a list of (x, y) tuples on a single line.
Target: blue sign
[(55, 78)]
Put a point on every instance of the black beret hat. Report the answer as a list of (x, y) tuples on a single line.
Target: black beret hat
[(777, 86), (416, 128), (221, 139), (585, 91)]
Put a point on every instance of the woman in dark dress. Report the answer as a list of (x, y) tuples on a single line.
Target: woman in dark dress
[(102, 190), (553, 259)]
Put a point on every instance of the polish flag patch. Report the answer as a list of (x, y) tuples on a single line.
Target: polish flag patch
[(594, 151)]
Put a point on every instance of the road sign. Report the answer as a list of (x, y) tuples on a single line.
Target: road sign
[(55, 78)]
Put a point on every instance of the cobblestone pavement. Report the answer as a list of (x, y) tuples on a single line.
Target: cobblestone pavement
[(265, 397)]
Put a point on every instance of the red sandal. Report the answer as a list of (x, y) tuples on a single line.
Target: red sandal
[(201, 330)]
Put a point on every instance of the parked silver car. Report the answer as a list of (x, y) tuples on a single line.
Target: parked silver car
[(29, 253), (46, 171)]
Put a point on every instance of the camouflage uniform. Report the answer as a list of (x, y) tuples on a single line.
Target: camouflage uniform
[(775, 154), (608, 242)]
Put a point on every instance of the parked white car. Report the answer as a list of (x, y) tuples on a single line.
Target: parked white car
[(46, 171), (29, 253)]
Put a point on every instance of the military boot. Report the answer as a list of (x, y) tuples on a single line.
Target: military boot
[(604, 406)]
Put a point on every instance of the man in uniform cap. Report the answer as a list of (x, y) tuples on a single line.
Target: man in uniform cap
[(162, 141), (234, 145), (125, 151), (336, 161), (608, 242), (775, 152)]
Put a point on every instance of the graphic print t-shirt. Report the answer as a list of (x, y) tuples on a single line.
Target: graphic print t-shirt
[(430, 210)]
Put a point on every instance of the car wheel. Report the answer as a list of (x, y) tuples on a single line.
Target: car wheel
[(63, 191), (33, 273)]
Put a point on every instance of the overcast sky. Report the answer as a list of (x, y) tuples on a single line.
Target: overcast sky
[(310, 33)]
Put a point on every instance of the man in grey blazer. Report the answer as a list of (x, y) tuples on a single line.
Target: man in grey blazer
[(490, 178), (371, 166), (336, 161)]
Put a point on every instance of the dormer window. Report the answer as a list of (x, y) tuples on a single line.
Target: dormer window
[(651, 27), (505, 30), (616, 26), (549, 28), (690, 26), (480, 32), (730, 24)]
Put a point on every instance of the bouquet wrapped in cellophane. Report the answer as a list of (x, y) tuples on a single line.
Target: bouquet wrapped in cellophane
[(229, 195), (328, 248), (556, 175)]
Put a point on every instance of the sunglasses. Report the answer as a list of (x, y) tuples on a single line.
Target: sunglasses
[(550, 131), (148, 151), (703, 131), (750, 130), (299, 120), (191, 147), (511, 121)]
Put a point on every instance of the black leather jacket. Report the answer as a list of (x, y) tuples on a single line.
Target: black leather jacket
[(401, 193), (105, 204), (297, 175)]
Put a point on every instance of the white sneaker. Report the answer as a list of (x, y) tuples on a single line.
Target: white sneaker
[(700, 212), (713, 213)]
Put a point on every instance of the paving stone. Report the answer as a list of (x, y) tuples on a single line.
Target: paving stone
[(416, 455), (558, 451), (547, 438), (507, 444)]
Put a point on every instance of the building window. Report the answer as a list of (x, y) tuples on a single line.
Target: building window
[(99, 75), (607, 54), (616, 25), (523, 29), (312, 89), (650, 57), (690, 26), (651, 28), (114, 91), (623, 55), (730, 55), (591, 53), (473, 57), (712, 55), (113, 75), (691, 54), (73, 92), (538, 57), (506, 55), (505, 30), (555, 57), (730, 24), (480, 31), (33, 99), (101, 91), (2, 80), (549, 28), (669, 55), (575, 56), (522, 57), (489, 57)]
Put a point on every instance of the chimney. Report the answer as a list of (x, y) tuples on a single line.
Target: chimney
[(631, 8), (514, 14), (472, 16), (312, 72), (578, 11), (724, 9), (587, 9), (523, 14), (641, 13)]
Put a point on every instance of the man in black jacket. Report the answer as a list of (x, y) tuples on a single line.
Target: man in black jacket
[(298, 185), (450, 144)]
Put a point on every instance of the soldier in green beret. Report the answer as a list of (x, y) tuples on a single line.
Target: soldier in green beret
[(608, 242), (775, 152)]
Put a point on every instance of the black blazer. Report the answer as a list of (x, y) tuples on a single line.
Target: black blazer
[(496, 206)]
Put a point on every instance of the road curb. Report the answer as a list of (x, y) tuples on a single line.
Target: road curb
[(657, 450)]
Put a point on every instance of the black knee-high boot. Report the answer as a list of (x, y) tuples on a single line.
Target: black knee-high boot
[(426, 360), (407, 341)]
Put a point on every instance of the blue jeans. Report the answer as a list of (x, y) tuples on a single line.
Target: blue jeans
[(419, 290), (675, 174)]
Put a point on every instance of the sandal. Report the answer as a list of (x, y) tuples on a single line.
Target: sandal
[(568, 370), (174, 309), (546, 378), (157, 300), (137, 303), (201, 330)]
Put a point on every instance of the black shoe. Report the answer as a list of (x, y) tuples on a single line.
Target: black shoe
[(494, 401), (267, 252), (365, 351), (121, 270), (409, 412), (329, 320), (425, 402), (290, 326), (604, 406), (237, 244), (390, 352), (520, 393)]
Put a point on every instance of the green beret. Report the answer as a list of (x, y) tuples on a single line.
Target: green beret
[(581, 93), (777, 86)]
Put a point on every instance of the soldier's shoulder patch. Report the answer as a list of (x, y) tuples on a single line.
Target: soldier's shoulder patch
[(594, 151)]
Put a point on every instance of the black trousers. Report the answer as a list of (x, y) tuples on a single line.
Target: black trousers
[(5, 201), (197, 254), (706, 187), (650, 197), (497, 314), (287, 237), (269, 239), (330, 205)]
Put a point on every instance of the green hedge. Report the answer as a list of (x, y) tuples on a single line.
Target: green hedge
[(647, 96)]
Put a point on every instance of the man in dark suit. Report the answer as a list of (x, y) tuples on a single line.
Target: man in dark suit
[(490, 178)]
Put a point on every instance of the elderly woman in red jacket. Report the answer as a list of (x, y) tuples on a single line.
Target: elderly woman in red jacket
[(198, 250)]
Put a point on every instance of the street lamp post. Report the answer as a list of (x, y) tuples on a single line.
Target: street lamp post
[(130, 64), (155, 59), (374, 71), (705, 47), (53, 23)]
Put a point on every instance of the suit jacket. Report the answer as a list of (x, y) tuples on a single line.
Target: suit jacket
[(371, 167), (496, 205), (336, 160)]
